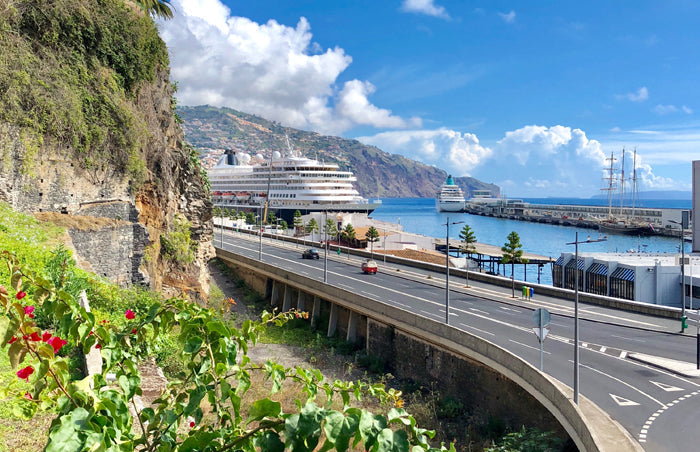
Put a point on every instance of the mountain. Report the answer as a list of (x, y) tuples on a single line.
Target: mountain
[(379, 174)]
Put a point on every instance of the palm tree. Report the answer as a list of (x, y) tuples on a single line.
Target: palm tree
[(157, 8), (348, 234), (330, 228), (298, 222), (512, 254), (312, 226), (467, 247), (372, 235)]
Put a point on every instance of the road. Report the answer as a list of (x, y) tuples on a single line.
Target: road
[(655, 405)]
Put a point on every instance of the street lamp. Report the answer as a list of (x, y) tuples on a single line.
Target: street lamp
[(325, 252), (260, 232), (576, 336), (680, 230), (447, 270)]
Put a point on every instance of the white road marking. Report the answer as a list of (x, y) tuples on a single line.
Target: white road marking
[(624, 402), (622, 382), (667, 388), (628, 338), (529, 346), (476, 329), (479, 311)]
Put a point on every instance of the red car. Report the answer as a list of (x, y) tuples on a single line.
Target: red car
[(369, 267)]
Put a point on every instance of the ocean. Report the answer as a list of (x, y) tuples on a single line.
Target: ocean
[(419, 216)]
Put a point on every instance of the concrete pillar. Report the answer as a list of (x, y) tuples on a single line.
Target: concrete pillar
[(333, 320), (287, 302), (352, 327), (301, 299), (275, 292), (316, 312)]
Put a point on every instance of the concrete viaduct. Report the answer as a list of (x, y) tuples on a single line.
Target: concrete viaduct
[(473, 370)]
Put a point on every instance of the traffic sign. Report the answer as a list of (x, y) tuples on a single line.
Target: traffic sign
[(541, 317), (541, 333)]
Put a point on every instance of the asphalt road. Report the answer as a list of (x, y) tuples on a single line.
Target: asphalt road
[(655, 405)]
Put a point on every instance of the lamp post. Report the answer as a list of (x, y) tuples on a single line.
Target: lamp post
[(260, 232), (447, 270), (576, 335), (325, 253), (680, 230)]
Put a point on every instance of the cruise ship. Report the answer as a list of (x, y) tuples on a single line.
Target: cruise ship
[(450, 198), (284, 184)]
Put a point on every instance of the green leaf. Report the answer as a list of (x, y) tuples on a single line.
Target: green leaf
[(16, 352), (370, 426), (193, 344), (196, 396), (5, 332), (218, 327), (269, 442), (65, 436), (264, 408), (340, 429), (24, 409), (390, 441)]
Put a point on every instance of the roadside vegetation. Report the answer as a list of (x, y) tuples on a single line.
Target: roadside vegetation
[(217, 398)]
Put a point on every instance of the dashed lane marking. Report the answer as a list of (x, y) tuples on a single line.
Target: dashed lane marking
[(647, 425)]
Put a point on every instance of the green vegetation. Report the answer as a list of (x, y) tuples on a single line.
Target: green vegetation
[(177, 244), (70, 71), (513, 253), (468, 238)]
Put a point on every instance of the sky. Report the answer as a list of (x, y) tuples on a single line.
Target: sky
[(532, 96)]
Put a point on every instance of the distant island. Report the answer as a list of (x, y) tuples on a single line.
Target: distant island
[(656, 194)]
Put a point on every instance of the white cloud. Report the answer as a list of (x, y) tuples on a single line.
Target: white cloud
[(665, 109), (641, 95), (426, 7), (457, 153), (509, 17), (687, 110), (269, 69)]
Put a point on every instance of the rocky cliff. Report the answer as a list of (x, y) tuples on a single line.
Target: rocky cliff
[(88, 130), (379, 174)]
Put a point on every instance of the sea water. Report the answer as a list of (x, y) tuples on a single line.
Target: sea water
[(419, 216)]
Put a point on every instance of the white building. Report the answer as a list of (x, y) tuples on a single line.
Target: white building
[(647, 278)]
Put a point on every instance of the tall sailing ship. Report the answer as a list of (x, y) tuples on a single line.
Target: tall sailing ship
[(625, 220), (284, 184)]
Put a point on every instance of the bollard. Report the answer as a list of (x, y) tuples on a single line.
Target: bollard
[(532, 293), (525, 292)]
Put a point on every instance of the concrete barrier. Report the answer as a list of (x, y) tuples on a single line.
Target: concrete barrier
[(588, 426)]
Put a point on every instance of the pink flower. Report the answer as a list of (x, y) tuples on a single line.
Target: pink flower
[(34, 337), (98, 346), (25, 373), (28, 310), (28, 396), (129, 314), (46, 336), (20, 295), (133, 331), (56, 342), (192, 424), (14, 339)]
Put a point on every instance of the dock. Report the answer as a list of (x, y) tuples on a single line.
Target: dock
[(488, 257)]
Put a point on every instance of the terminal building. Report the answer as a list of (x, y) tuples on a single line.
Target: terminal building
[(663, 279)]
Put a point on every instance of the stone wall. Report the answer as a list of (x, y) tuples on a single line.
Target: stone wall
[(115, 252)]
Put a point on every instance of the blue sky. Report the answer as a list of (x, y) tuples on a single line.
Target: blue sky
[(532, 96)]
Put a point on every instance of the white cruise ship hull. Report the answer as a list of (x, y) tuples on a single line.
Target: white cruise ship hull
[(452, 206)]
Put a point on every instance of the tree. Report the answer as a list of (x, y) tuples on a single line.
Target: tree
[(512, 254), (330, 228), (271, 218), (298, 222), (282, 226), (311, 227), (157, 8), (372, 235), (250, 218), (348, 234), (467, 247), (94, 414)]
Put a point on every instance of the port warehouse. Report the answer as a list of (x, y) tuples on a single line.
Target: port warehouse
[(576, 215), (642, 277)]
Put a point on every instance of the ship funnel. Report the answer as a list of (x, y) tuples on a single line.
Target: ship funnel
[(231, 157)]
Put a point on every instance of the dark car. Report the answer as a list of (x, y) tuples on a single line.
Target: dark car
[(311, 253)]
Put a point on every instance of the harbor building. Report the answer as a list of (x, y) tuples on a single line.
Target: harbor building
[(643, 277)]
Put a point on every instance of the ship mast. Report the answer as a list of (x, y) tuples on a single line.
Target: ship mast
[(610, 179), (634, 181), (622, 182)]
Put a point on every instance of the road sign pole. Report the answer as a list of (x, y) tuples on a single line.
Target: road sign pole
[(541, 350)]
